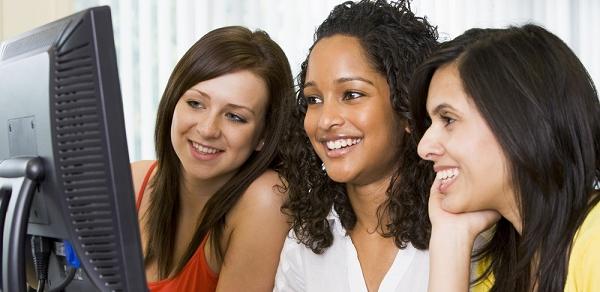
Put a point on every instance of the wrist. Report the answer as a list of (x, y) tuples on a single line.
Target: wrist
[(451, 236), (450, 259)]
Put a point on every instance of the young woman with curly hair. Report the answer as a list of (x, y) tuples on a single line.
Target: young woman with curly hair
[(357, 189)]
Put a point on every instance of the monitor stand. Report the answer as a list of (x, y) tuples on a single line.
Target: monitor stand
[(19, 177)]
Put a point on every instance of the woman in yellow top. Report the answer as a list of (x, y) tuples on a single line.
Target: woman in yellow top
[(510, 119)]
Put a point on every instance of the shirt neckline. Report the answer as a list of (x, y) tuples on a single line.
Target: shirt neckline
[(356, 280)]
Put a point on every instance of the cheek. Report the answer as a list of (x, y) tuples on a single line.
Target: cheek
[(310, 123), (488, 152), (180, 119), (488, 165), (500, 171), (310, 128), (244, 138), (381, 122), (175, 125)]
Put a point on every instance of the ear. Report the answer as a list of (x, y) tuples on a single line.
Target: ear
[(260, 145)]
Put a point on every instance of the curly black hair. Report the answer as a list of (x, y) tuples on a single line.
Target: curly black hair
[(396, 42)]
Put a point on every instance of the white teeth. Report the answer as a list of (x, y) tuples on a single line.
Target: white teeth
[(447, 174), (204, 149), (340, 143)]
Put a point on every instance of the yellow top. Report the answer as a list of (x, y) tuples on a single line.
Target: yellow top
[(484, 285), (584, 262)]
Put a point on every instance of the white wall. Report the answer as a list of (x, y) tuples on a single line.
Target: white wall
[(18, 16), (151, 35)]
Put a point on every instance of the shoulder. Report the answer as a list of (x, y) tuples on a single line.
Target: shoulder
[(264, 193), (139, 169), (267, 180), (588, 233), (584, 261), (255, 231), (260, 204)]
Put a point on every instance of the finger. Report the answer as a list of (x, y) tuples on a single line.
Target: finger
[(435, 186), (435, 197)]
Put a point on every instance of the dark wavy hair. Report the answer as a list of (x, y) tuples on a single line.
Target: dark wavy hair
[(396, 41), (543, 108), (221, 51)]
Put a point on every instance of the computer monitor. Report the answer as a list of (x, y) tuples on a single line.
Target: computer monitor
[(64, 165)]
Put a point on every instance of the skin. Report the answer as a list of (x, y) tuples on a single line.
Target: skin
[(460, 141), (227, 121), (478, 196), (475, 199), (349, 102)]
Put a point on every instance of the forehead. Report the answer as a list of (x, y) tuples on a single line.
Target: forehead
[(338, 55), (243, 88), (446, 87)]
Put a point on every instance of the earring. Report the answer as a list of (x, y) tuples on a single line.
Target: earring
[(323, 166), (260, 145)]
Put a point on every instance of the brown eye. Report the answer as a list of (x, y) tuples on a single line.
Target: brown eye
[(349, 95), (313, 99), (447, 120)]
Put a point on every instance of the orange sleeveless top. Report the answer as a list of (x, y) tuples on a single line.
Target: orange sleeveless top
[(196, 275)]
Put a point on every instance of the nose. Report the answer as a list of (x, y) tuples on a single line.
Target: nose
[(330, 115), (429, 147), (209, 127)]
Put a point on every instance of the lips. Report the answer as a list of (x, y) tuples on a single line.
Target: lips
[(341, 143), (339, 146), (204, 152), (205, 149), (446, 177)]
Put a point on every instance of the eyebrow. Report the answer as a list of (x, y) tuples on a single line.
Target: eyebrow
[(231, 105), (236, 106), (440, 107), (341, 80)]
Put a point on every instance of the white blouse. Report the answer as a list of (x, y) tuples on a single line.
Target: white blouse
[(338, 268)]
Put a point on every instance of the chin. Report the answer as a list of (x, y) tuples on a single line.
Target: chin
[(452, 206), (339, 177)]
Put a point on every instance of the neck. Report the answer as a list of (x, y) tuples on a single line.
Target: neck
[(194, 193), (365, 201), (512, 214)]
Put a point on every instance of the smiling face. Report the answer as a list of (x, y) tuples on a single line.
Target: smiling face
[(217, 124), (467, 157), (350, 121)]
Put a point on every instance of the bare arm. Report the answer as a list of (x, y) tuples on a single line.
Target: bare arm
[(452, 239), (258, 232)]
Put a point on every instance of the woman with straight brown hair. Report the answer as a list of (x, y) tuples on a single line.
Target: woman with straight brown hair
[(510, 119), (209, 206)]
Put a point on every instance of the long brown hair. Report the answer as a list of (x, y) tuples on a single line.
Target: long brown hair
[(219, 52), (542, 106)]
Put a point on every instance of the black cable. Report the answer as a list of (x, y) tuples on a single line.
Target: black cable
[(40, 250), (68, 278), (41, 285)]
